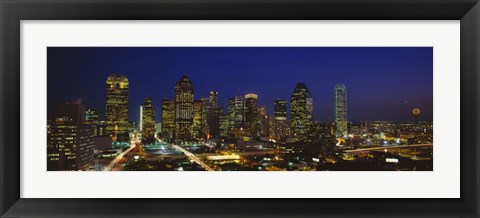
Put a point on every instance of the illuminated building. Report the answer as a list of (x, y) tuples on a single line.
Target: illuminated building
[(262, 122), (223, 123), (91, 115), (198, 122), (158, 127), (184, 109), (116, 109), (70, 138), (282, 129), (236, 112), (341, 109), (148, 121), (301, 111), (251, 114), (231, 114), (168, 118), (212, 114), (271, 126), (205, 127)]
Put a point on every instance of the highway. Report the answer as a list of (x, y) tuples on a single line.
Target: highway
[(193, 157), (119, 157), (386, 147)]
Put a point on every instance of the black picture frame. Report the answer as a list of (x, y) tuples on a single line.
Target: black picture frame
[(13, 11)]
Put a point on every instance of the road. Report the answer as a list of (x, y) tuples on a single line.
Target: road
[(193, 157), (119, 157), (386, 147)]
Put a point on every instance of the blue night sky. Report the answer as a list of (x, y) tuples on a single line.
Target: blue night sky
[(382, 83)]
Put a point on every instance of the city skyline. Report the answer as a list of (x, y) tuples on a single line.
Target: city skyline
[(397, 102)]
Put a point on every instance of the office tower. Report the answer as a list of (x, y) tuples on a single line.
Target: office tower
[(91, 115), (158, 128), (262, 123), (184, 109), (212, 114), (224, 126), (168, 118), (231, 114), (148, 121), (70, 139), (280, 109), (198, 122), (281, 121), (239, 112), (116, 109), (236, 112), (301, 111), (251, 114), (271, 127), (205, 127), (341, 109)]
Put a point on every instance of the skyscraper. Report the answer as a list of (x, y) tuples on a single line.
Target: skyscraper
[(251, 114), (198, 122), (116, 109), (212, 114), (205, 127), (223, 120), (341, 109), (262, 123), (168, 118), (280, 109), (91, 115), (148, 121), (184, 109), (236, 112), (231, 114), (301, 111), (71, 139), (281, 120)]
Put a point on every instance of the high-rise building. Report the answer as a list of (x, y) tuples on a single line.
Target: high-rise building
[(212, 114), (231, 114), (205, 127), (116, 109), (198, 122), (70, 139), (251, 114), (236, 112), (280, 109), (168, 118), (91, 115), (148, 121), (262, 123), (341, 109), (282, 129), (184, 109), (301, 111), (223, 120)]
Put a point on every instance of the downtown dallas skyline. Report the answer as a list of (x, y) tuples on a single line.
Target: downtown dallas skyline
[(382, 83)]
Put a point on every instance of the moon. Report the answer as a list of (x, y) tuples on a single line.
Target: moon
[(416, 111)]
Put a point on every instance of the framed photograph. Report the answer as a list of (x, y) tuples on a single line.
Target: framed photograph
[(239, 108)]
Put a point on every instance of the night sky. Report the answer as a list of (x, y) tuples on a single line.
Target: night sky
[(382, 83)]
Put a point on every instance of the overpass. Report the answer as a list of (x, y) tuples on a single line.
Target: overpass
[(386, 147)]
